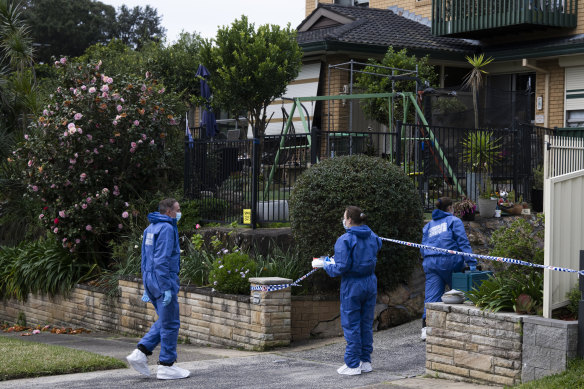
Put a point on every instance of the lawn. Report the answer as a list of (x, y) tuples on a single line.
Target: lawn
[(572, 378), (21, 359)]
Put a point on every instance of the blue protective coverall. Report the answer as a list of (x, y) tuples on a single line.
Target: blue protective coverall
[(444, 231), (355, 259), (160, 267)]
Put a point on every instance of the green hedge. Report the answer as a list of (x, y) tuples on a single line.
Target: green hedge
[(381, 189)]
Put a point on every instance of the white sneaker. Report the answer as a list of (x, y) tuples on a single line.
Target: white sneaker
[(366, 367), (139, 362), (171, 372), (346, 370), (423, 336)]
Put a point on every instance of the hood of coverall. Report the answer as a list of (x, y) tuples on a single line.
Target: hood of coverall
[(439, 214), (157, 217), (361, 232)]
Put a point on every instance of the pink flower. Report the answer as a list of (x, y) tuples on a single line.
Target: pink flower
[(133, 145), (35, 188), (125, 214), (88, 200), (77, 241), (41, 216), (88, 227), (78, 116), (144, 136), (161, 90), (197, 226), (36, 332), (83, 87), (26, 136), (30, 162), (104, 88), (62, 213), (82, 177), (89, 137), (120, 226), (126, 204), (55, 230), (84, 206), (136, 123), (45, 112), (65, 133), (119, 108), (109, 80), (152, 142), (147, 74), (92, 90), (72, 161), (63, 60), (115, 123)]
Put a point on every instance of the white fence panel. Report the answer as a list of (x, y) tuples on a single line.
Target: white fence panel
[(564, 217)]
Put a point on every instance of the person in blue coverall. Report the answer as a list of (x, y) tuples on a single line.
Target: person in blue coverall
[(444, 231), (354, 260), (160, 267)]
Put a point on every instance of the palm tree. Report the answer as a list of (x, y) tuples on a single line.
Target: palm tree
[(474, 80), (17, 77)]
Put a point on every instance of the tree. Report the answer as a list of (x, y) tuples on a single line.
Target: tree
[(138, 25), (249, 68), (97, 147), (474, 80), (378, 82), (67, 28)]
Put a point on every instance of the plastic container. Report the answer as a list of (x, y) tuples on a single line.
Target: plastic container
[(469, 280)]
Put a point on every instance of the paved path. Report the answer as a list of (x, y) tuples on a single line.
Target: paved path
[(398, 360)]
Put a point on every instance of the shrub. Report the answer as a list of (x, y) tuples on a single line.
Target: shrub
[(98, 145), (521, 240), (280, 263), (502, 292), (381, 189), (42, 267), (231, 271), (573, 297)]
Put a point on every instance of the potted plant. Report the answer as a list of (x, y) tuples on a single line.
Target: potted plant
[(465, 209), (537, 189), (481, 151)]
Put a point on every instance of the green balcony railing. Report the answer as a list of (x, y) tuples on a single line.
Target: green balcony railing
[(468, 17)]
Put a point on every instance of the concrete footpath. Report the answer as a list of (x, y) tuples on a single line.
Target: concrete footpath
[(398, 361)]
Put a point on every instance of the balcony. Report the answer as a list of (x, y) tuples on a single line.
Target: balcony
[(478, 18)]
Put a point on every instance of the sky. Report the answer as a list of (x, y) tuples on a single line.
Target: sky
[(206, 16)]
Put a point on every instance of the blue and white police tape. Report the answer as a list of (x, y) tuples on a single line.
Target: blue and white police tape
[(489, 257), (273, 288)]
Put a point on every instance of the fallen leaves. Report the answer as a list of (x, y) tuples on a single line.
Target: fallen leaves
[(38, 329)]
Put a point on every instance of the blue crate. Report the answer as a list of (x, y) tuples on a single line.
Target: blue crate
[(469, 280)]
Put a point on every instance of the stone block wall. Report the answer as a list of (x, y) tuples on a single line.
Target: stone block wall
[(548, 344), (465, 343), (257, 322), (315, 316)]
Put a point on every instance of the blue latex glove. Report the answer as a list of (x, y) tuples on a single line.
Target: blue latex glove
[(166, 299), (473, 267), (145, 298)]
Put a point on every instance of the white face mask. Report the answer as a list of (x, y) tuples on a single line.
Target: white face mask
[(178, 215), (345, 224)]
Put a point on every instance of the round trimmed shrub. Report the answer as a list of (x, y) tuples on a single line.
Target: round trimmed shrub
[(385, 193)]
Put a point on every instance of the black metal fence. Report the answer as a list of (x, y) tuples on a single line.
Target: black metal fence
[(442, 161), (456, 162)]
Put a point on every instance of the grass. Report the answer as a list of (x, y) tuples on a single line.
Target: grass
[(572, 378), (22, 359)]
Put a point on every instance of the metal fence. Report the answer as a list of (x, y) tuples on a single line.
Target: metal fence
[(442, 161), (456, 162)]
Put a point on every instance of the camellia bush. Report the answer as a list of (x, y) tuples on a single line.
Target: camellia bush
[(385, 193), (98, 145)]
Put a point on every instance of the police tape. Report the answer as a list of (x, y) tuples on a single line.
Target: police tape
[(489, 257), (271, 288)]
